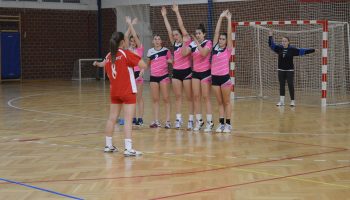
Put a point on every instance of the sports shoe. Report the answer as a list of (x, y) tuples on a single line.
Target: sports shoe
[(110, 149), (132, 152), (227, 129), (280, 104), (209, 126), (167, 125), (139, 122), (199, 125), (220, 128), (134, 121), (190, 125), (121, 121), (178, 123), (155, 124), (292, 103)]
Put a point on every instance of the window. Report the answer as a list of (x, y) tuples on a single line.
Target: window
[(71, 1)]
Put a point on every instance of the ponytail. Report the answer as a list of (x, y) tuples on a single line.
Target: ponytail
[(114, 43)]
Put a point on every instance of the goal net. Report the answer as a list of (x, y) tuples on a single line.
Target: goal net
[(84, 70), (319, 78)]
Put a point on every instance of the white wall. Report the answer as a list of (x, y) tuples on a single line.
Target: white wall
[(83, 5)]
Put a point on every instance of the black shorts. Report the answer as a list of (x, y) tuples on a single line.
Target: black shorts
[(202, 76), (159, 79), (182, 74), (137, 74), (221, 80)]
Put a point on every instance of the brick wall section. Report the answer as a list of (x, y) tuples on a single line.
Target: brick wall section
[(52, 40), (108, 26), (193, 14)]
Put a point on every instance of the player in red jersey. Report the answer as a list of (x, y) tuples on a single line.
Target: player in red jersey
[(119, 69)]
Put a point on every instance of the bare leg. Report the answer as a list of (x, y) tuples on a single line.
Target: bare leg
[(155, 99), (164, 87)]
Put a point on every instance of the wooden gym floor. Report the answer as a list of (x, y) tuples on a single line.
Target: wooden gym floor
[(51, 141)]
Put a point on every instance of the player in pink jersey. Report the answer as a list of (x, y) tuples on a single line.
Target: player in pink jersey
[(158, 58), (221, 81), (136, 46), (201, 76), (182, 72)]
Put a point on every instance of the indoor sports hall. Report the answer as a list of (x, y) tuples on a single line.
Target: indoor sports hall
[(185, 99)]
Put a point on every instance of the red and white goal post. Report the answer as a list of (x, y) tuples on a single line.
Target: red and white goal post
[(305, 32)]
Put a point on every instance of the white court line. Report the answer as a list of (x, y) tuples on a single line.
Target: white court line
[(40, 120), (278, 133), (186, 154), (150, 152), (168, 153), (343, 160), (9, 103)]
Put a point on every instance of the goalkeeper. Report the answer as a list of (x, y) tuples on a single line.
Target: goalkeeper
[(286, 52)]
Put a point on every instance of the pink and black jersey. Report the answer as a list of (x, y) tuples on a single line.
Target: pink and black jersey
[(200, 63), (139, 52), (220, 61), (159, 65), (181, 62)]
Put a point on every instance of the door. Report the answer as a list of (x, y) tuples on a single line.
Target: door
[(10, 55)]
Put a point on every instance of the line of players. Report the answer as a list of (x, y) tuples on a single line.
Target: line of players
[(199, 65)]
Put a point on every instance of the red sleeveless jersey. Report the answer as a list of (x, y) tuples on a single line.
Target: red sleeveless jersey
[(121, 74)]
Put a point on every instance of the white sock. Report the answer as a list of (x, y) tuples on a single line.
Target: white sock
[(282, 99), (128, 144), (178, 117), (109, 141), (190, 118), (209, 117), (199, 117)]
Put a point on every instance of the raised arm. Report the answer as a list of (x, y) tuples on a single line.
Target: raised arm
[(273, 46), (301, 51), (229, 30), (180, 22), (185, 51), (218, 26), (127, 33), (167, 25), (169, 58), (202, 50), (133, 32)]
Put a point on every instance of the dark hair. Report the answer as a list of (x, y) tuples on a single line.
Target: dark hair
[(114, 43), (224, 34), (286, 38), (156, 35), (131, 37), (201, 27)]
